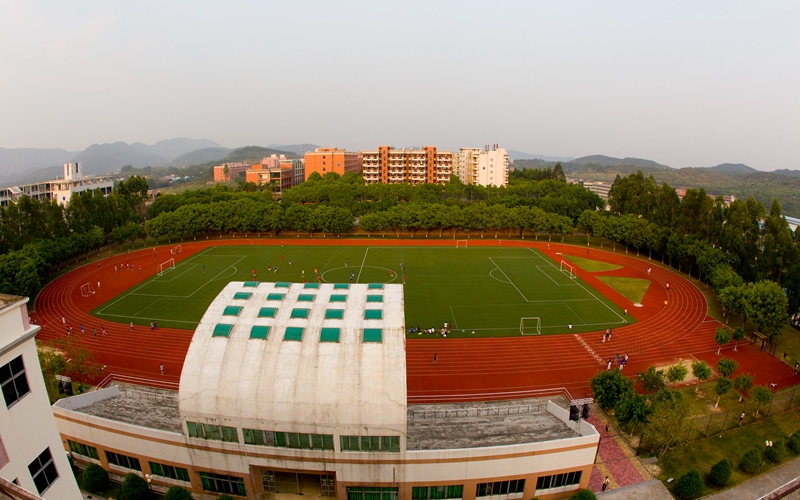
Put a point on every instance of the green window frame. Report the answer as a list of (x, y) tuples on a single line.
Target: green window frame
[(259, 332), (276, 296), (220, 483), (242, 295), (500, 488), (232, 310), (282, 284), (373, 335), (306, 297), (374, 298), (123, 461), (338, 297), (83, 449), (318, 442), (373, 314), (437, 492), (250, 284), (371, 493), (170, 471), (212, 432), (341, 286), (329, 335), (375, 286), (558, 480), (310, 286), (300, 313), (384, 444)]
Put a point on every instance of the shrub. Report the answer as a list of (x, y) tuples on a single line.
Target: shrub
[(776, 452), (750, 461), (794, 442), (720, 473), (95, 478), (225, 496), (583, 495), (177, 493), (690, 485), (134, 487)]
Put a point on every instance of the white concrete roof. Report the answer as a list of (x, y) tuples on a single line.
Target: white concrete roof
[(306, 386)]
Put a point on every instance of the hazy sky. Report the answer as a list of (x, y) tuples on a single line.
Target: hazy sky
[(682, 83)]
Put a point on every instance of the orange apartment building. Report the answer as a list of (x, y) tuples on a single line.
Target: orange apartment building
[(228, 171), (414, 166), (324, 160)]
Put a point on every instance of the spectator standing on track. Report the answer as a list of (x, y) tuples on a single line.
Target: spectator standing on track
[(103, 329), (131, 325), (434, 359), (608, 366), (796, 366), (162, 368)]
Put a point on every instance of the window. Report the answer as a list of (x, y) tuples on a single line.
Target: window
[(43, 471), (232, 311), (211, 431), (259, 332), (433, 492), (329, 335), (558, 480), (258, 437), (293, 333), (242, 295), (123, 461), (169, 471), (222, 330), (373, 335), (500, 488), (370, 443), (219, 483), (371, 493), (13, 380), (82, 449)]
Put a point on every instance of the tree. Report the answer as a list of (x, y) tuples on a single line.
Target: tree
[(776, 452), (134, 487), (583, 495), (225, 496), (609, 387), (702, 371), (53, 363), (768, 306), (794, 442), (722, 337), (669, 423), (743, 383), (726, 367), (633, 410), (676, 373), (652, 380), (723, 385), (177, 493), (720, 473), (750, 461), (690, 485), (94, 478), (762, 395), (81, 364), (738, 334)]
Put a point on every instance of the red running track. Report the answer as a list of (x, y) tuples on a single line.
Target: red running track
[(466, 369)]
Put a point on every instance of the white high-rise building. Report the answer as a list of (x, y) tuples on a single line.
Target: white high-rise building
[(486, 167), (32, 455)]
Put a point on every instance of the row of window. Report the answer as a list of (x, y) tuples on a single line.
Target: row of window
[(500, 488), (83, 449), (295, 333), (292, 439), (123, 461), (437, 492), (558, 480), (220, 483)]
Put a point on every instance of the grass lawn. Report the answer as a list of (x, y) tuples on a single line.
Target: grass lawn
[(703, 454), (631, 288), (484, 289), (592, 265)]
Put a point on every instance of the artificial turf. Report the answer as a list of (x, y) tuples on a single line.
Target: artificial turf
[(482, 290)]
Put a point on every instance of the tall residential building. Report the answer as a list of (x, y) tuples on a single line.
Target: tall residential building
[(60, 190), (414, 166), (31, 452), (486, 167), (228, 171), (325, 160)]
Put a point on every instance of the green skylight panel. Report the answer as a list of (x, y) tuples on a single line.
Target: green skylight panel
[(338, 298), (329, 335), (222, 330), (311, 285), (300, 313), (232, 310), (293, 333), (373, 335), (282, 284), (305, 297), (276, 296), (251, 283), (374, 298), (341, 286), (375, 286), (259, 332), (373, 314), (267, 312), (334, 313), (242, 295)]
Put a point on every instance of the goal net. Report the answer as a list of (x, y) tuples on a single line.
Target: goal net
[(87, 289), (166, 266), (177, 249), (530, 326), (461, 243), (568, 269)]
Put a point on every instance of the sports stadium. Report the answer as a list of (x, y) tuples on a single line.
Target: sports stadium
[(364, 369)]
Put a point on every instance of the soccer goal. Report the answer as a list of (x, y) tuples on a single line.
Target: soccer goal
[(568, 269), (166, 266), (177, 249), (530, 326), (87, 289), (461, 243)]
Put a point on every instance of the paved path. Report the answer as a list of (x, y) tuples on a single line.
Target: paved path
[(774, 481)]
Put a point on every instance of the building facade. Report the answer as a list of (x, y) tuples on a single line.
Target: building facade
[(31, 453), (59, 190), (325, 160), (484, 167), (301, 388), (228, 171), (387, 165)]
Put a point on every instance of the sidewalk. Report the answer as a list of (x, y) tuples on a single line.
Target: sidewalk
[(763, 485)]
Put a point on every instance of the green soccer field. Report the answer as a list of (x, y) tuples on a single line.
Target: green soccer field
[(484, 290)]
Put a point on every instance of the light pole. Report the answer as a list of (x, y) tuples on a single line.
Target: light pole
[(769, 445), (149, 480)]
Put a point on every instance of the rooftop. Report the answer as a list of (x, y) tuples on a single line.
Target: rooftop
[(138, 405)]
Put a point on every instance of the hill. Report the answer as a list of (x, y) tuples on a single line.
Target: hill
[(107, 158), (171, 149), (786, 171), (14, 162), (254, 154), (610, 161), (298, 149), (204, 155), (733, 168), (519, 155)]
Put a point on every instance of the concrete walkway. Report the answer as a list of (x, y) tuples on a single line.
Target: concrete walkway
[(767, 485)]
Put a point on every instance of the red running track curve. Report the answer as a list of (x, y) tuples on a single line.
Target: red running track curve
[(479, 368)]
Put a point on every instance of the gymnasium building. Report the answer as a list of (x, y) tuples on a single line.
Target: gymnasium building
[(301, 389)]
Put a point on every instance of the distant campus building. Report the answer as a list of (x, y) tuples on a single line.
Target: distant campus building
[(301, 389), (387, 165), (484, 167), (60, 190), (32, 457)]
